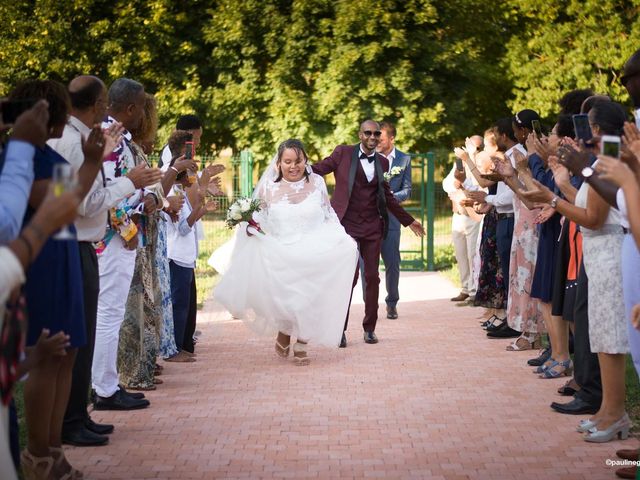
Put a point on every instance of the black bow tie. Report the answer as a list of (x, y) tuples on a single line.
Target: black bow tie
[(364, 156)]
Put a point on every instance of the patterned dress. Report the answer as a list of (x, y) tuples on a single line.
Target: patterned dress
[(491, 287), (140, 331), (167, 338), (523, 312)]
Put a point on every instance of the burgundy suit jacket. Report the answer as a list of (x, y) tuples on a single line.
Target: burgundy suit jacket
[(343, 163)]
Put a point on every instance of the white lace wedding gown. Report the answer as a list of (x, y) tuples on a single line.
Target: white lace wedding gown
[(296, 278)]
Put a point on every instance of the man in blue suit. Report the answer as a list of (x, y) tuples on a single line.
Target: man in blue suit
[(399, 178)]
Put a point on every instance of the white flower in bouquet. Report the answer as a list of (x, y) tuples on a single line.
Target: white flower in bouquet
[(242, 210), (244, 204)]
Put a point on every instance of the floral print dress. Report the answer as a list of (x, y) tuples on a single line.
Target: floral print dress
[(523, 312)]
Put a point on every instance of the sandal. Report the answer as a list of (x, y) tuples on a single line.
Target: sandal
[(525, 342), (300, 354), (282, 351), (36, 468), (566, 369), (60, 462), (546, 365)]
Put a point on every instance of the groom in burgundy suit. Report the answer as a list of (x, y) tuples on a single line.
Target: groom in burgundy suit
[(361, 199)]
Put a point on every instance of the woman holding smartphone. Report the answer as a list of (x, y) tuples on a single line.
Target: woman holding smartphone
[(602, 245)]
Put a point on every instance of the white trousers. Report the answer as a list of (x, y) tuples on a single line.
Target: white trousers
[(464, 232), (116, 265), (7, 470)]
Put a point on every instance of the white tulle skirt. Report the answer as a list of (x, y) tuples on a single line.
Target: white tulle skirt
[(300, 287)]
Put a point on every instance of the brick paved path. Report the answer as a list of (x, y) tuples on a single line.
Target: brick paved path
[(434, 399)]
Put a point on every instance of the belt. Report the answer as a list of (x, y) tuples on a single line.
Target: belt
[(502, 216)]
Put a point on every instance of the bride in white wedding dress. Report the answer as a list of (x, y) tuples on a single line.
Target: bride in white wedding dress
[(295, 280)]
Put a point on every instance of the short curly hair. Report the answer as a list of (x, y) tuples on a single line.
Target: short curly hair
[(53, 92)]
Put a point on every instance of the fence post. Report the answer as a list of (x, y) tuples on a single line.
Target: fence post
[(246, 173), (431, 203)]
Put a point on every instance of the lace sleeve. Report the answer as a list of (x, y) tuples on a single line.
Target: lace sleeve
[(263, 215), (329, 212)]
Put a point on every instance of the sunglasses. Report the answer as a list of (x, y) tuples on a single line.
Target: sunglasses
[(368, 133)]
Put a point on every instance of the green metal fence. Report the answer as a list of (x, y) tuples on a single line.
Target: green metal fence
[(428, 203)]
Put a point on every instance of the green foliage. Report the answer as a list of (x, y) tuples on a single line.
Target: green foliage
[(259, 71), (571, 44)]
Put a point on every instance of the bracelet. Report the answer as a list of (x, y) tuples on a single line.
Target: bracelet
[(29, 246), (174, 169)]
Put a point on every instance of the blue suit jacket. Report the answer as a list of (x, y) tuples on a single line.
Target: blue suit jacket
[(400, 184)]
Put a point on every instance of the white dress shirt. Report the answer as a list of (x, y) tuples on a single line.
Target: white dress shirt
[(391, 157), (503, 199), (92, 218), (456, 194), (368, 167)]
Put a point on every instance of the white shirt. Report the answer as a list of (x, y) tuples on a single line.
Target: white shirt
[(92, 220), (391, 157), (503, 199), (622, 208), (456, 194), (166, 158), (368, 167), (11, 275), (182, 239)]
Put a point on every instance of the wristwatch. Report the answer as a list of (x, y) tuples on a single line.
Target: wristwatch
[(554, 202), (587, 172)]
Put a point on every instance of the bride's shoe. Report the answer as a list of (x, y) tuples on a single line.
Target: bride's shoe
[(300, 354), (282, 351)]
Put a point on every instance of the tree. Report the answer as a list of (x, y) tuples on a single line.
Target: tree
[(570, 44)]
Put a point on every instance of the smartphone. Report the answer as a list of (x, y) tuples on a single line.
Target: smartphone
[(188, 150), (611, 145), (12, 109), (637, 115), (459, 165), (537, 128), (582, 128)]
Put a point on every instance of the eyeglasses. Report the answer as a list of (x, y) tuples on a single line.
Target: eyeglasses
[(368, 133)]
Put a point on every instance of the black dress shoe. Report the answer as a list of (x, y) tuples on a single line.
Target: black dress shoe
[(504, 332), (392, 313), (540, 360), (496, 324), (370, 337), (99, 428), (343, 341), (577, 406), (83, 437), (119, 401), (136, 395)]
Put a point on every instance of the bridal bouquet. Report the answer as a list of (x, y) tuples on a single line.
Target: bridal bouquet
[(394, 172), (242, 211)]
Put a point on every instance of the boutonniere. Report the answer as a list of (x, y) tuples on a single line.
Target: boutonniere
[(395, 171)]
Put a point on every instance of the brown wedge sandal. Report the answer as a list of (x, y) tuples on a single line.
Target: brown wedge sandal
[(61, 463), (36, 468)]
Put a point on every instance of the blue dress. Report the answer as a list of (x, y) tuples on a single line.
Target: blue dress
[(53, 289), (548, 234)]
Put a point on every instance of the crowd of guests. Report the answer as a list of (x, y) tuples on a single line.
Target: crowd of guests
[(95, 309), (546, 221)]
